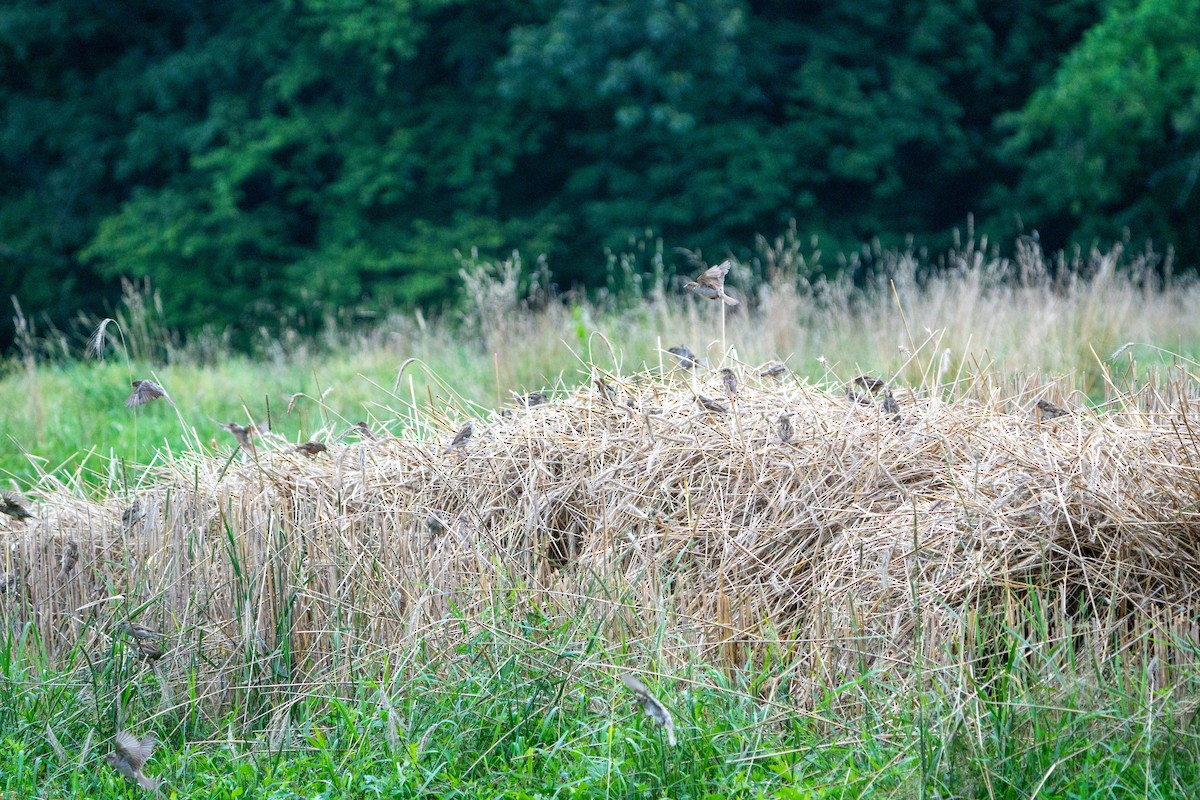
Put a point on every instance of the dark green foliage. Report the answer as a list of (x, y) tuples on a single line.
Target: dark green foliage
[(260, 161), (1112, 142)]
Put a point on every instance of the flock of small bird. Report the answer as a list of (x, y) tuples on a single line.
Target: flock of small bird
[(130, 753)]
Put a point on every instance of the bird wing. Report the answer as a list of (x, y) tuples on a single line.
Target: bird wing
[(717, 274), (463, 434), (634, 685), (135, 751)]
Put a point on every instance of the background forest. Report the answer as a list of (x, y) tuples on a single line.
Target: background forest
[(301, 157)]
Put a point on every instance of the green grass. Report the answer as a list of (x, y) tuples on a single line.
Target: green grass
[(531, 708)]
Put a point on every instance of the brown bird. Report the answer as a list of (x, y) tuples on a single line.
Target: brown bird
[(772, 370), (134, 514), (711, 283), (1047, 410), (687, 359), (533, 399), (606, 391), (129, 756), (711, 405), (14, 505), (653, 707), (785, 428), (10, 582), (144, 392), (464, 434), (364, 430), (143, 638), (874, 386), (70, 557), (730, 381), (244, 433), (868, 382), (311, 449)]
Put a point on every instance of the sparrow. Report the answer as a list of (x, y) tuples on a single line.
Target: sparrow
[(10, 582), (70, 556), (868, 382), (772, 370), (143, 638), (533, 399), (687, 359), (711, 283), (14, 505), (710, 405), (460, 438), (129, 756), (437, 525), (874, 386), (730, 381), (606, 391), (144, 392), (134, 514), (244, 433), (311, 449), (1047, 410), (785, 428), (653, 707), (363, 430)]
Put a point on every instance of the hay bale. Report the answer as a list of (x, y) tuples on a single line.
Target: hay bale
[(867, 538)]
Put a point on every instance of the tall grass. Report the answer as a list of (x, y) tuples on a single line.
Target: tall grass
[(963, 599), (907, 319)]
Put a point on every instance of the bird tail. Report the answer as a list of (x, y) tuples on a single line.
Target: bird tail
[(729, 301), (147, 783)]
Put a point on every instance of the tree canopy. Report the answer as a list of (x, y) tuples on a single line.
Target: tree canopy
[(260, 160)]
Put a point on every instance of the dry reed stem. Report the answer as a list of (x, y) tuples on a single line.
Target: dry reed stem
[(633, 508)]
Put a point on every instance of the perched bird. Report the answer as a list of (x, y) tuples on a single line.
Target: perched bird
[(244, 433), (687, 359), (70, 557), (785, 428), (1047, 410), (606, 391), (14, 505), (730, 381), (145, 639), (533, 399), (464, 434), (134, 514), (710, 405), (772, 370), (363, 430), (10, 583), (129, 756), (437, 525), (144, 392), (711, 283), (874, 386), (890, 406), (311, 449), (868, 382), (653, 707)]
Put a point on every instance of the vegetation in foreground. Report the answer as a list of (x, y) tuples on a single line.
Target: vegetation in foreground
[(530, 707)]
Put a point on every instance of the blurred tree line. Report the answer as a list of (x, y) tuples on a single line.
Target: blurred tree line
[(253, 159)]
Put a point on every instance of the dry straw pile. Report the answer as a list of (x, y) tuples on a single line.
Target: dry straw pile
[(867, 535)]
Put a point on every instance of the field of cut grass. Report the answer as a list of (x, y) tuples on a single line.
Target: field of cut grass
[(968, 598)]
